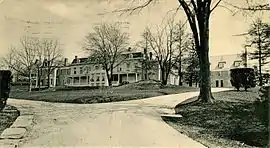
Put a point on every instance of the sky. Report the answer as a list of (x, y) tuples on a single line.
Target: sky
[(71, 20)]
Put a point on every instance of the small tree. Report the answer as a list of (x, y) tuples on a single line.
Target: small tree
[(182, 41), (162, 45), (106, 45), (242, 77), (192, 66)]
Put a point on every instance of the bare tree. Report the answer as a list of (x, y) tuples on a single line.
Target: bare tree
[(22, 59), (52, 54), (106, 45), (162, 45), (258, 5), (181, 38), (198, 14)]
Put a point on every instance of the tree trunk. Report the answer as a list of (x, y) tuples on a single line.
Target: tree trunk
[(163, 77), (109, 78), (48, 77), (30, 81), (190, 80), (205, 74), (38, 78), (260, 62), (180, 71)]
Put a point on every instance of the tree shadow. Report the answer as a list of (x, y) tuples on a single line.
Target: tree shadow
[(224, 119)]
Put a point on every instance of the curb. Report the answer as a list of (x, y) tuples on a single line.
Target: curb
[(12, 136)]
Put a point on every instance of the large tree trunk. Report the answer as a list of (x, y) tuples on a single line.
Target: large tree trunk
[(205, 74)]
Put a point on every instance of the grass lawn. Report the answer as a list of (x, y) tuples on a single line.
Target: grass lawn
[(229, 122), (122, 93), (7, 117)]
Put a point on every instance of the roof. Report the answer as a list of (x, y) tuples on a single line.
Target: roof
[(228, 61), (80, 60)]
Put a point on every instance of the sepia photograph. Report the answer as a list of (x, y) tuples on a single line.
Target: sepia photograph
[(134, 73)]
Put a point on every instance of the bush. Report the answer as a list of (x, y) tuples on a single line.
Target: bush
[(124, 83), (262, 105), (243, 77), (71, 88), (5, 82)]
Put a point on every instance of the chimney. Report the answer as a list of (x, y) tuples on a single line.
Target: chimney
[(129, 48), (65, 61), (150, 55), (76, 59)]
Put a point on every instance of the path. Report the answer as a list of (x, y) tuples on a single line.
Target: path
[(123, 124)]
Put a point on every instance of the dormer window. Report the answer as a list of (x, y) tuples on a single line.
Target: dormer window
[(221, 64), (237, 63)]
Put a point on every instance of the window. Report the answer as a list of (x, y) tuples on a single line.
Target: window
[(219, 73), (217, 83), (103, 79), (68, 71), (221, 83), (81, 70), (136, 65), (237, 63), (128, 65), (221, 64), (96, 67), (75, 71), (98, 78)]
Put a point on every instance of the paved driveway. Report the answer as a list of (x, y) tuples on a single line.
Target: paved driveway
[(123, 124)]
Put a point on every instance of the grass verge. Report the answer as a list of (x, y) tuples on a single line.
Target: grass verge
[(230, 122), (122, 93), (7, 117)]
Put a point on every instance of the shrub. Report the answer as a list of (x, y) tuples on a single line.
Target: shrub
[(124, 83), (5, 83), (71, 88), (243, 77), (262, 105)]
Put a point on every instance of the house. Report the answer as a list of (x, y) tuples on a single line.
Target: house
[(220, 68), (86, 72)]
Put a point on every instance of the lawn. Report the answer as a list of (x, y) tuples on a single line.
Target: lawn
[(229, 122), (7, 117), (133, 91)]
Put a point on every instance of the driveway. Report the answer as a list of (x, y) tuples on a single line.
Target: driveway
[(134, 123)]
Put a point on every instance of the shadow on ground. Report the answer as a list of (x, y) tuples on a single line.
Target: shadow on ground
[(230, 119)]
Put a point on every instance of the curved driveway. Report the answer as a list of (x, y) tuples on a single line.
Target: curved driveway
[(134, 123)]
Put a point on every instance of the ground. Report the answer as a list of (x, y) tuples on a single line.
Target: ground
[(122, 93), (135, 123), (229, 122), (7, 117)]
